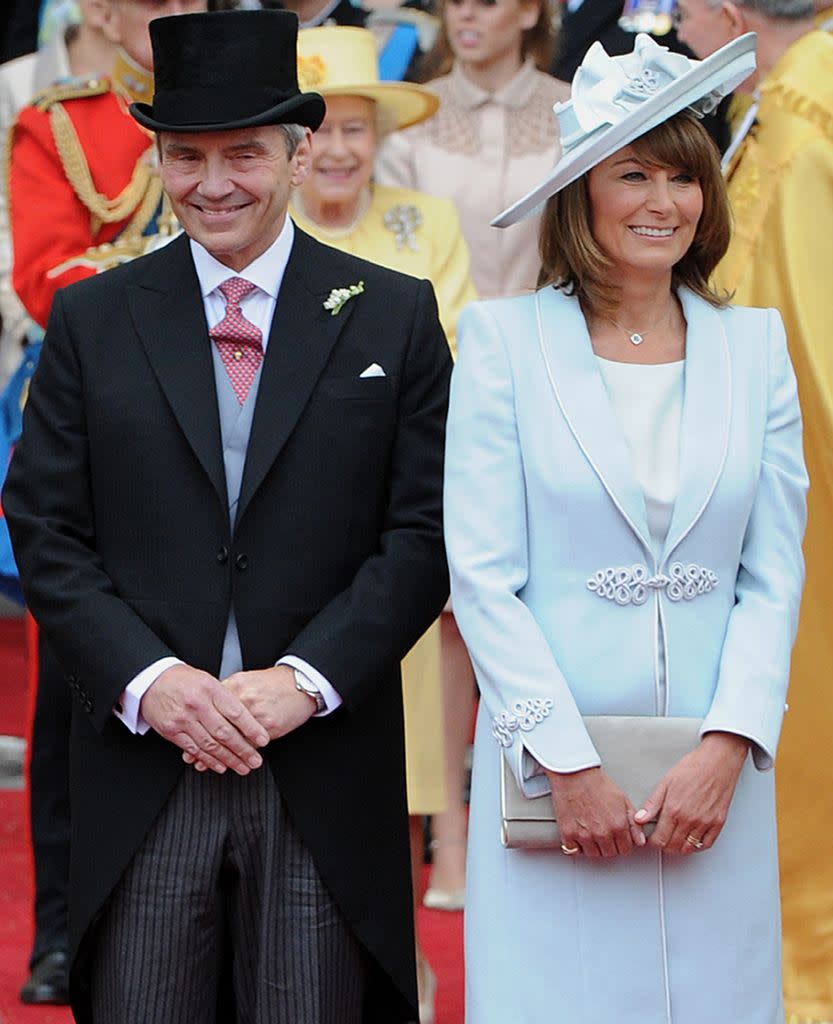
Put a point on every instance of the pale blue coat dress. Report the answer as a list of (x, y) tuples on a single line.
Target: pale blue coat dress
[(567, 610)]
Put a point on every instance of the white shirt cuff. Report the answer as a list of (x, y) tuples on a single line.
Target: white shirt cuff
[(324, 687), (127, 708)]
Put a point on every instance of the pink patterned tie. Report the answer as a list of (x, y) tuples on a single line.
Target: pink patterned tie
[(238, 341)]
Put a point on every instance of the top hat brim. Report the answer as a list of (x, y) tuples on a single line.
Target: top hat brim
[(307, 109), (723, 71)]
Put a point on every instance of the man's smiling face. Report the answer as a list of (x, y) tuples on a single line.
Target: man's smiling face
[(230, 190)]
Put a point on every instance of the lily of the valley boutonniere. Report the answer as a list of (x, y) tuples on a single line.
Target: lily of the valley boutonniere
[(338, 296)]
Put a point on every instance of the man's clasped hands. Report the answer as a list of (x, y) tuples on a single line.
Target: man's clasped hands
[(222, 724)]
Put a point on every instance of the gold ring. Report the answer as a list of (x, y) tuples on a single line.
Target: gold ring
[(693, 841), (569, 851)]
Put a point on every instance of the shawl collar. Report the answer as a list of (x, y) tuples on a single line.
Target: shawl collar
[(707, 413), (168, 314), (579, 389)]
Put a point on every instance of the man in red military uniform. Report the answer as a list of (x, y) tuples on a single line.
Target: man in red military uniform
[(83, 191), (84, 195)]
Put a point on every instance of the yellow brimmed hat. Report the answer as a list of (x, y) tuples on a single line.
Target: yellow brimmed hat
[(338, 60)]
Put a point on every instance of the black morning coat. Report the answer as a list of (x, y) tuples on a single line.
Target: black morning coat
[(117, 506)]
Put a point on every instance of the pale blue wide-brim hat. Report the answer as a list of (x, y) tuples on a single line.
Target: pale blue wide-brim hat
[(615, 100)]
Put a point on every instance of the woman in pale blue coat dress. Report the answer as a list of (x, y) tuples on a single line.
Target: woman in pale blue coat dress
[(625, 505)]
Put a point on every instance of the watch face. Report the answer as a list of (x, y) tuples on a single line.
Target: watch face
[(305, 686)]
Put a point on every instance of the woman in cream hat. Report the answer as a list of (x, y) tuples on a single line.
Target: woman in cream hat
[(340, 204), (624, 508)]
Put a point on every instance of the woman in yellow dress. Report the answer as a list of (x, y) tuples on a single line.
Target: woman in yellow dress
[(341, 205), (407, 231)]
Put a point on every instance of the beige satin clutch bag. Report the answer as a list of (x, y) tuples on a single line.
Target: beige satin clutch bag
[(636, 751)]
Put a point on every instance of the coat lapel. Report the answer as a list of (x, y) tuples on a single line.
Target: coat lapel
[(707, 409), (168, 314), (579, 389), (300, 342), (704, 430)]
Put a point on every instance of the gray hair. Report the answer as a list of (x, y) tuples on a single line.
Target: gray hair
[(785, 10), (293, 136)]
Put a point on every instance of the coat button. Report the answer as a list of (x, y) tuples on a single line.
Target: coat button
[(222, 555), (88, 705), (242, 562)]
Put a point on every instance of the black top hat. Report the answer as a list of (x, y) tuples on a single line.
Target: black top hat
[(226, 69)]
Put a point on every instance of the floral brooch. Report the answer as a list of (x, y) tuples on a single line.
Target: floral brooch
[(338, 296), (403, 221)]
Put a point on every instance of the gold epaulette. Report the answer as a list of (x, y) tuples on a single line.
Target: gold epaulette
[(77, 88), (103, 209)]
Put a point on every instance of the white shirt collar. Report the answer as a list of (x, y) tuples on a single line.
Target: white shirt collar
[(266, 272)]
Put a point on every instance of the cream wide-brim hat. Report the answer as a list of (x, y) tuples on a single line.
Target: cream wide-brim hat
[(615, 100), (338, 60)]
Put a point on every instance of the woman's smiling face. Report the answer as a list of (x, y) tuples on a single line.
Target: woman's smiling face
[(644, 217), (343, 151)]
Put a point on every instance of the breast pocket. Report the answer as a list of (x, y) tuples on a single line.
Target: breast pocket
[(355, 388)]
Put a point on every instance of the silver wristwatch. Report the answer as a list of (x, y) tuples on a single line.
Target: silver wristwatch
[(306, 686)]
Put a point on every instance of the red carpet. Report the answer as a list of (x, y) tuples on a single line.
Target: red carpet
[(15, 917), (441, 933), (13, 688)]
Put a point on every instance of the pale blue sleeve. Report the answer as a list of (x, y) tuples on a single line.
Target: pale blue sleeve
[(755, 664), (486, 539)]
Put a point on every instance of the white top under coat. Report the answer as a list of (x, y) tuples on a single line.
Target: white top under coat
[(647, 399)]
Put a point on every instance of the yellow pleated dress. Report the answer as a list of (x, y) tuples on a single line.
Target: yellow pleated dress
[(781, 255)]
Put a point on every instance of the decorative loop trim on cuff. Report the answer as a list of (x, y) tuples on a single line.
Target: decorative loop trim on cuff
[(631, 584), (524, 715)]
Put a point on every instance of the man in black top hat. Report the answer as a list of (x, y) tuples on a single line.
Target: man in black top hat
[(226, 511)]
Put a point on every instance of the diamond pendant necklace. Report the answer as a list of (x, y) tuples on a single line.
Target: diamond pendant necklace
[(637, 337)]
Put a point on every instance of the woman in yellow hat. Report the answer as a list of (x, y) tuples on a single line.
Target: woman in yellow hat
[(340, 204), (407, 231)]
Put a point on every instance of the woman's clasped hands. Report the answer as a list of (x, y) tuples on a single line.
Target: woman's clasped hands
[(689, 804)]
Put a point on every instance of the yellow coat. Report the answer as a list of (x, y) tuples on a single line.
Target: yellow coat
[(781, 190), (421, 237), (418, 235)]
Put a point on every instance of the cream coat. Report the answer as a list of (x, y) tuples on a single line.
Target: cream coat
[(540, 505)]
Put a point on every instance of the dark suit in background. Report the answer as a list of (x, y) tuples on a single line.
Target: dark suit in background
[(598, 20), (18, 28)]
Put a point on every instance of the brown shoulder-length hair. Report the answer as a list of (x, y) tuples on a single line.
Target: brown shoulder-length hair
[(572, 260), (537, 42)]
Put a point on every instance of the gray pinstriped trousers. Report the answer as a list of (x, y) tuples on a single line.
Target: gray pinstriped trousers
[(224, 860)]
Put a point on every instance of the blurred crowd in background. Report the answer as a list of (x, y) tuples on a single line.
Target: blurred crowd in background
[(439, 116)]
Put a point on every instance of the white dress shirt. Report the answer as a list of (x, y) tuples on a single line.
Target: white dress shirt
[(266, 273)]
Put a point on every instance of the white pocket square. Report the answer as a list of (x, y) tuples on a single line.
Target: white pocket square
[(374, 370)]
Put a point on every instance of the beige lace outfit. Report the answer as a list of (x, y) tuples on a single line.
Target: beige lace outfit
[(483, 150)]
